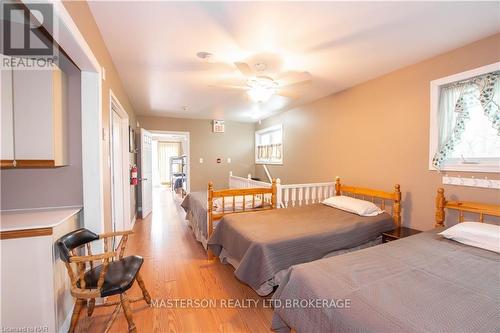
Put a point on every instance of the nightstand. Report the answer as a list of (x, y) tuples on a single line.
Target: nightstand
[(398, 233)]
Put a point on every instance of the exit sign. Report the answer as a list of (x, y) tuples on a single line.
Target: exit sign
[(218, 126)]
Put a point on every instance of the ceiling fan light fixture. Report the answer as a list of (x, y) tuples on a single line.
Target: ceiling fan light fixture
[(261, 94), (261, 89)]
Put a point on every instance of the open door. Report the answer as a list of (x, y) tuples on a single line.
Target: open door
[(146, 172)]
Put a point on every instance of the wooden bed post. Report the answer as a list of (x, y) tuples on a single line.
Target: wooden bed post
[(273, 195), (279, 193), (210, 217), (440, 205), (337, 186), (397, 205)]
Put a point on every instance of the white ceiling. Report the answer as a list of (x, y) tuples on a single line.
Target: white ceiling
[(154, 46)]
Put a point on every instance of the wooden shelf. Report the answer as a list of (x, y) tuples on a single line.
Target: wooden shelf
[(29, 164)]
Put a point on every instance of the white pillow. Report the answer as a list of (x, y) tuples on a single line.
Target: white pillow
[(238, 203), (352, 205), (482, 235)]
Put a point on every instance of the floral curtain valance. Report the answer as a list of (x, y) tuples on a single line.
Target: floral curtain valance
[(271, 152), (454, 102)]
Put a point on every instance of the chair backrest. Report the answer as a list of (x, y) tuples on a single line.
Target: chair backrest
[(78, 264), (73, 240)]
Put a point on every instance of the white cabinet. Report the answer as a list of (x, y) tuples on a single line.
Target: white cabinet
[(36, 132), (7, 136), (36, 291)]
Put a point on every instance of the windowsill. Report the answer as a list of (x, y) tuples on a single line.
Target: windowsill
[(268, 162), (487, 168)]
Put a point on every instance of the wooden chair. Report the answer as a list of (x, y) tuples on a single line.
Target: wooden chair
[(101, 275)]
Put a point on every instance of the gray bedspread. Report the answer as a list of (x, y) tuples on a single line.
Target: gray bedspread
[(422, 283), (195, 206), (265, 242)]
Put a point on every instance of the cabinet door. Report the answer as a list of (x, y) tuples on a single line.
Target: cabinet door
[(33, 118), (7, 136)]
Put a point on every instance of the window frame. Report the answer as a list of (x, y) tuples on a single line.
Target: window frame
[(435, 88), (265, 130)]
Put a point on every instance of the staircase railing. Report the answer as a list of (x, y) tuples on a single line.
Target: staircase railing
[(288, 195)]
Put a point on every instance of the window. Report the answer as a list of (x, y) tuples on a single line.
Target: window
[(269, 145), (465, 121)]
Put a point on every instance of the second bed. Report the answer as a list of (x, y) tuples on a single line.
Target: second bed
[(422, 283)]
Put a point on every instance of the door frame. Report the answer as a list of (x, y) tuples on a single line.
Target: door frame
[(188, 152), (125, 169)]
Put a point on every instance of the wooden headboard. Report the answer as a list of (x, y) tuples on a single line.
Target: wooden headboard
[(462, 206), (363, 193)]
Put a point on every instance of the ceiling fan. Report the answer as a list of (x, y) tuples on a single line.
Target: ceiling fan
[(263, 77)]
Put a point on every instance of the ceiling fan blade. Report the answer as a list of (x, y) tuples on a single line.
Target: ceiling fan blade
[(289, 78), (244, 68), (288, 93), (228, 86)]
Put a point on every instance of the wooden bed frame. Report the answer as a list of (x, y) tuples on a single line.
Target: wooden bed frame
[(272, 202), (462, 206), (363, 193), (269, 201)]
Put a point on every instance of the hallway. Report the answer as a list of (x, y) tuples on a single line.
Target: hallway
[(175, 268)]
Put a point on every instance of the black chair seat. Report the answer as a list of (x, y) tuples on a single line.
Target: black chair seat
[(119, 277)]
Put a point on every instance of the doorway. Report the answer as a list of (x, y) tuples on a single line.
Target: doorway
[(164, 167), (170, 160)]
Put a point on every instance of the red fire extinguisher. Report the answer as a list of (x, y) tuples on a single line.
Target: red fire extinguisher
[(133, 175)]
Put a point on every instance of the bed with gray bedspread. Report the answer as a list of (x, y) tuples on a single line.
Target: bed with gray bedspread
[(422, 283), (266, 242), (195, 206)]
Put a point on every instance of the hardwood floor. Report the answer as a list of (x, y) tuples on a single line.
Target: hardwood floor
[(175, 268)]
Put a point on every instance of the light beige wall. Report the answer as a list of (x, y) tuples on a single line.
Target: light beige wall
[(81, 15), (376, 134), (236, 143)]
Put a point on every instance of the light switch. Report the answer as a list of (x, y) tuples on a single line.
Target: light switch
[(201, 160), (229, 160)]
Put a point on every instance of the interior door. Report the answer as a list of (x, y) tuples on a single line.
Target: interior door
[(117, 196), (146, 173)]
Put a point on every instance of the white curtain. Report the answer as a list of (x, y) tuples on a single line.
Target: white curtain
[(271, 152), (165, 151), (455, 101)]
